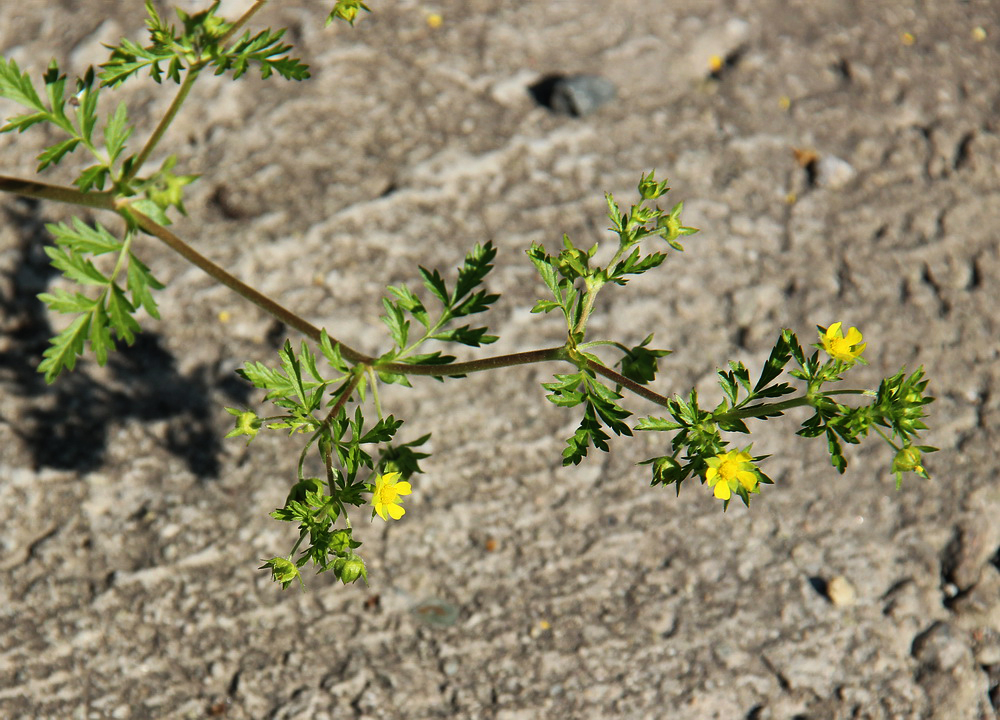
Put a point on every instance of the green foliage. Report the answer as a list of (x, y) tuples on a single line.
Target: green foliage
[(112, 310), (463, 301), (202, 43), (326, 393)]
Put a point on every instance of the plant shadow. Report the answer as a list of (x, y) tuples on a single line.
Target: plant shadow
[(67, 425)]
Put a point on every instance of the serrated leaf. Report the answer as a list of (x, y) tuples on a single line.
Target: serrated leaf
[(120, 312), (117, 131), (151, 210), (657, 424), (267, 378), (477, 265), (139, 281), (465, 335), (411, 304), (93, 177), (83, 238), (17, 86), (399, 326), (74, 267), (545, 306), (293, 370), (53, 154), (65, 348), (331, 352), (435, 284), (55, 89), (431, 358), (383, 431), (62, 301), (23, 122), (86, 111), (265, 49), (100, 336), (476, 303), (777, 360), (640, 363)]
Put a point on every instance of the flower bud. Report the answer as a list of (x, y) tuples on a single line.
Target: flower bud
[(350, 568), (907, 460)]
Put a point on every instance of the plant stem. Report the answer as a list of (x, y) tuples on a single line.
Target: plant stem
[(244, 19), (640, 390), (189, 79), (238, 286), (161, 127), (59, 193)]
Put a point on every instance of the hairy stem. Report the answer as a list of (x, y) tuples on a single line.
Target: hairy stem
[(59, 193), (161, 127), (640, 390), (238, 286)]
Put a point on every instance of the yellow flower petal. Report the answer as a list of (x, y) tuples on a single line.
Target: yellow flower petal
[(396, 511)]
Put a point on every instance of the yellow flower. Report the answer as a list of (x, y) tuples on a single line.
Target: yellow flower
[(386, 500), (847, 349), (728, 471)]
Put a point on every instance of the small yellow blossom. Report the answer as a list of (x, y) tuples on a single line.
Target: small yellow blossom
[(386, 500), (715, 63), (907, 38), (728, 471), (978, 33), (846, 349), (434, 20)]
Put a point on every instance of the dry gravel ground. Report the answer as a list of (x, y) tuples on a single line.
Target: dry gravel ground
[(130, 532)]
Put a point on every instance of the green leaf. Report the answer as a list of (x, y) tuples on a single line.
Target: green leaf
[(86, 111), (100, 335), (545, 306), (436, 285), (120, 311), (63, 302), (565, 392), (23, 122), (411, 304), (94, 176), (640, 363), (382, 432), (778, 359), (331, 352), (64, 348), (658, 424), (17, 86), (117, 131), (266, 50), (53, 154), (403, 458), (399, 326), (139, 282), (477, 265), (74, 267), (588, 433), (465, 335), (83, 238)]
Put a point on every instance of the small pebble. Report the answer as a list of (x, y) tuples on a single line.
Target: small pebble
[(573, 95), (834, 173), (841, 592)]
